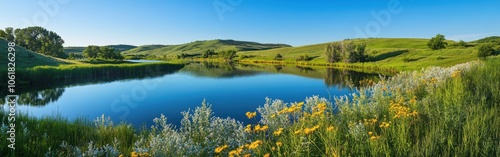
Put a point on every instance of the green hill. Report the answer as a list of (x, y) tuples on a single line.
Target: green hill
[(27, 58), (494, 39), (399, 53), (78, 49), (197, 47)]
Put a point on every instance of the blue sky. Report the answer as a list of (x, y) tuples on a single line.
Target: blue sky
[(96, 22)]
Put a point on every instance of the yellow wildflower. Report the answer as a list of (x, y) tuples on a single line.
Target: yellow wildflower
[(257, 127), (278, 132), (134, 154), (255, 144), (279, 144), (455, 74), (267, 155), (220, 149), (250, 115), (330, 128), (248, 128), (297, 132), (310, 130), (264, 128), (246, 155), (370, 133)]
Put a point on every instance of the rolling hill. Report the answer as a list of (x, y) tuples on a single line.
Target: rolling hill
[(400, 53), (197, 47), (26, 58), (78, 49)]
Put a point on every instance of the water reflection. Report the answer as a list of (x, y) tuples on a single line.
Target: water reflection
[(40, 98)]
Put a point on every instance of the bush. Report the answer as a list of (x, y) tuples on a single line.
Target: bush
[(485, 50), (437, 42), (278, 57)]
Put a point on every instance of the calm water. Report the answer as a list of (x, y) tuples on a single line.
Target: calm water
[(232, 90)]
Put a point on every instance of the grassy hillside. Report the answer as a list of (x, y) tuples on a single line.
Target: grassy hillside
[(27, 58), (495, 39), (399, 53), (77, 49), (198, 47)]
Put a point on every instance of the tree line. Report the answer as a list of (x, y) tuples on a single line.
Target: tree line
[(37, 39), (345, 51), (103, 52)]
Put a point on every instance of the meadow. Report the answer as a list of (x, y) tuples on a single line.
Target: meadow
[(437, 111)]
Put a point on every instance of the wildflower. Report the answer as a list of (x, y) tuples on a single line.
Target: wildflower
[(267, 155), (279, 144), (134, 154), (257, 127), (121, 155), (255, 144), (384, 125), (273, 116), (278, 132), (374, 138), (248, 128), (297, 132), (273, 148), (310, 130), (220, 149), (370, 133), (250, 115), (330, 128), (246, 155), (455, 73), (264, 128)]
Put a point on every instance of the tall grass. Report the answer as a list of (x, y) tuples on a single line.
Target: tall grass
[(434, 112)]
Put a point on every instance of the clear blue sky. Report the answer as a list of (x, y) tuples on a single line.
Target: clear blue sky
[(97, 22)]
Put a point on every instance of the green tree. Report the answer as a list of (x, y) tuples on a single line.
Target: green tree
[(3, 34), (333, 52), (278, 57), (437, 42), (9, 34), (91, 51), (39, 39), (229, 54), (207, 53), (485, 50)]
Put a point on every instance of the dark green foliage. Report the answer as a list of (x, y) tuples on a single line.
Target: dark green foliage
[(485, 50), (207, 53), (75, 56), (437, 42), (182, 55), (104, 52), (346, 51), (40, 40), (229, 54), (278, 57), (304, 58)]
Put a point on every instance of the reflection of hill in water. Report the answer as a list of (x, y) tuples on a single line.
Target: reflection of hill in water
[(332, 77), (51, 91), (217, 70)]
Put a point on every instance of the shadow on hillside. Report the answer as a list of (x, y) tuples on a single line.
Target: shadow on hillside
[(387, 55)]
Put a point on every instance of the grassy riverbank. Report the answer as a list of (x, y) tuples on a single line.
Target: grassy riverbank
[(435, 112)]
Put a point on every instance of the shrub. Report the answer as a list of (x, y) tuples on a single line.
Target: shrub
[(437, 42), (278, 57), (485, 50)]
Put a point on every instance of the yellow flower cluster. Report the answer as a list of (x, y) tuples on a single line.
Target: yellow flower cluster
[(370, 121), (401, 111), (267, 155), (134, 154), (310, 130), (255, 144), (294, 108), (257, 128), (279, 144), (319, 109), (374, 138), (250, 115), (221, 148), (237, 151), (385, 124), (455, 73), (278, 132)]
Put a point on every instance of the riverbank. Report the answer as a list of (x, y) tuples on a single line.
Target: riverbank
[(437, 111)]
